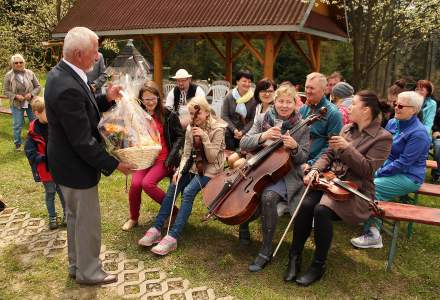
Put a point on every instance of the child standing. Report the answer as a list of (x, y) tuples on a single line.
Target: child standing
[(35, 149)]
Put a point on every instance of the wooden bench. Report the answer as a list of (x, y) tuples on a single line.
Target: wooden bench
[(398, 212)]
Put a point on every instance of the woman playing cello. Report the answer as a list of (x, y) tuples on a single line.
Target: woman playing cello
[(211, 132), (359, 150), (266, 129)]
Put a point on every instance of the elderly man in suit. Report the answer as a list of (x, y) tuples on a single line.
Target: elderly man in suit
[(76, 155)]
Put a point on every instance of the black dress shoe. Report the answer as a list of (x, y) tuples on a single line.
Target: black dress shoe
[(293, 268), (106, 280), (259, 263), (313, 274)]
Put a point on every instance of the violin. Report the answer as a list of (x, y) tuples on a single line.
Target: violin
[(197, 152), (233, 196), (327, 184), (342, 190)]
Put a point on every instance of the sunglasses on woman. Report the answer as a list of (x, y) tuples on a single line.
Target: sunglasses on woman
[(400, 106)]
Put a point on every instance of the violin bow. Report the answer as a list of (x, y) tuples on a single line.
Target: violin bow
[(292, 218), (174, 201)]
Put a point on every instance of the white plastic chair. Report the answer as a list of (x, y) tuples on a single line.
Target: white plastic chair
[(219, 93), (204, 86), (167, 88), (222, 82)]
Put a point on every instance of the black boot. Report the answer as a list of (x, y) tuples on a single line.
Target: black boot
[(293, 267), (259, 263), (313, 274), (244, 235)]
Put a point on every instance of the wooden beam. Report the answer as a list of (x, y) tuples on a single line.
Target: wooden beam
[(157, 60), (278, 45), (228, 59), (268, 55), (247, 43), (238, 52), (311, 51), (300, 50), (316, 48), (147, 43), (214, 46)]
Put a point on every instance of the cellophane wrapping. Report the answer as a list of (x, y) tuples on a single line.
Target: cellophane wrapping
[(129, 132)]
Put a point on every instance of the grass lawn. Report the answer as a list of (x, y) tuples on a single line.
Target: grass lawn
[(209, 253)]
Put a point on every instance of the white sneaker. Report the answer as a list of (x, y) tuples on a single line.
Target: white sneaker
[(152, 236), (166, 245), (367, 241)]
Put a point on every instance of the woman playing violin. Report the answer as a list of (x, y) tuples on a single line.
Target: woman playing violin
[(212, 134), (354, 155), (286, 189)]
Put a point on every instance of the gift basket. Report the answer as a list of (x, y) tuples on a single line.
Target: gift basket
[(129, 132)]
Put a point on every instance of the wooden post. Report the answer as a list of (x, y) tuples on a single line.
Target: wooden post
[(310, 45), (228, 59), (157, 60), (268, 55)]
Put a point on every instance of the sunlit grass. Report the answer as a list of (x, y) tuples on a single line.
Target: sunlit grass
[(208, 254)]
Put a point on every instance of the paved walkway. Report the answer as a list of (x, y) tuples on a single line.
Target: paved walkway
[(135, 280)]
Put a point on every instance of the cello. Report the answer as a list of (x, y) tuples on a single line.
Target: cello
[(233, 196)]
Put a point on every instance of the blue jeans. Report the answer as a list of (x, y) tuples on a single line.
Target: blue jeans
[(190, 184), (436, 145), (51, 188), (18, 121)]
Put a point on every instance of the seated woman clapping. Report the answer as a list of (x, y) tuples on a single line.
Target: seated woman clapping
[(354, 155), (187, 178), (268, 127), (404, 170)]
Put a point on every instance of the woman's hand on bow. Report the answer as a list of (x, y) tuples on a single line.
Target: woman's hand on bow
[(313, 176)]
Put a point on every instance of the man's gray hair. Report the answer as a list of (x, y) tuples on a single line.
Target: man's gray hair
[(412, 98), (78, 38), (320, 77)]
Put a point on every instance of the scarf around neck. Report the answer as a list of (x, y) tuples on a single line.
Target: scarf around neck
[(241, 101)]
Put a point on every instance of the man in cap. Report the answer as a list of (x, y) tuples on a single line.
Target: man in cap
[(178, 97)]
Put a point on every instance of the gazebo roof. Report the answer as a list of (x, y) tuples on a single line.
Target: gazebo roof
[(136, 17)]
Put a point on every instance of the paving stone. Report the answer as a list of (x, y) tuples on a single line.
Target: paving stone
[(134, 280)]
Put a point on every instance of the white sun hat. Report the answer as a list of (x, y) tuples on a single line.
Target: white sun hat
[(182, 74)]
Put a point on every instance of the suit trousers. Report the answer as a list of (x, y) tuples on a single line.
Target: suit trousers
[(83, 233)]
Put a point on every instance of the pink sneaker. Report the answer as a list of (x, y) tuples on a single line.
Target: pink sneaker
[(152, 236), (166, 245)]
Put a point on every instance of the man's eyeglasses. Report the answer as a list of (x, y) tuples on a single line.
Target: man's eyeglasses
[(18, 62), (400, 106)]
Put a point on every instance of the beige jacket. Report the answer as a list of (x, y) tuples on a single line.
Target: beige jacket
[(213, 141), (12, 86)]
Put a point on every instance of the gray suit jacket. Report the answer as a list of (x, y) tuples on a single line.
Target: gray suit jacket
[(293, 179)]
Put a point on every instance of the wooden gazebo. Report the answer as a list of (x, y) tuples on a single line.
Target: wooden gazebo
[(154, 21)]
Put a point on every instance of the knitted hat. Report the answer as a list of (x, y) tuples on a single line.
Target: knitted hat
[(342, 90)]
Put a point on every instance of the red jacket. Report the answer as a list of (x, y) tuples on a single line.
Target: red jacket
[(35, 149)]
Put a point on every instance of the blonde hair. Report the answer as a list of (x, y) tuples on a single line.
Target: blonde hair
[(285, 90), (38, 104), (200, 101), (15, 57), (320, 77)]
